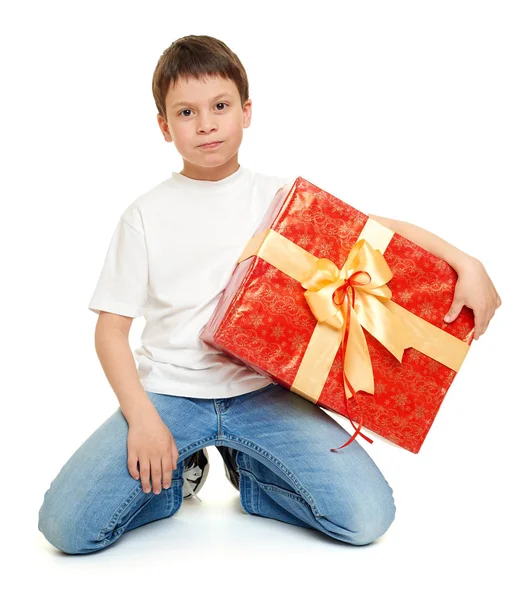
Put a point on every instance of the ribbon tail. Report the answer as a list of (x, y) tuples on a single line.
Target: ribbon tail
[(357, 429), (358, 432), (385, 326), (350, 315), (357, 362)]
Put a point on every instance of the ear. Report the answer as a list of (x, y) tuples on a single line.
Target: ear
[(246, 121), (164, 128)]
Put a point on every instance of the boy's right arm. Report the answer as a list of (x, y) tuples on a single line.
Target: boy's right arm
[(118, 363), (149, 441)]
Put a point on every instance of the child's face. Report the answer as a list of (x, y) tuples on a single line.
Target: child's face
[(205, 111)]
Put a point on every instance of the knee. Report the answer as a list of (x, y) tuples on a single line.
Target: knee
[(372, 519), (51, 527), (363, 519), (59, 527), (368, 530)]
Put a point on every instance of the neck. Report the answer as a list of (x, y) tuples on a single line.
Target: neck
[(210, 173)]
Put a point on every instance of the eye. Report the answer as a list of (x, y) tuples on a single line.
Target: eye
[(188, 109)]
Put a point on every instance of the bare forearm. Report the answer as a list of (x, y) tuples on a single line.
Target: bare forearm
[(427, 240), (118, 363)]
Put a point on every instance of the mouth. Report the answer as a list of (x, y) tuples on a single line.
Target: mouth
[(211, 145)]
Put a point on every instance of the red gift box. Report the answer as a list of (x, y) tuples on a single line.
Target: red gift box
[(346, 313)]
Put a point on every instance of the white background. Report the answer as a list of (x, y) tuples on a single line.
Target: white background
[(409, 110)]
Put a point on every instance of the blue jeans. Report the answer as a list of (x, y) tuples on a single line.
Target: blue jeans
[(287, 472)]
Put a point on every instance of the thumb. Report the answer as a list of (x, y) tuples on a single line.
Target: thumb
[(453, 312)]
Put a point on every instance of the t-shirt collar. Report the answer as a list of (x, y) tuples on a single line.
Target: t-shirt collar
[(199, 184)]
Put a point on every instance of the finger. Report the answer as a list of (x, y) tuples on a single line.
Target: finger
[(132, 467), (476, 329), (156, 475), (480, 325), (167, 471), (144, 474), (454, 311)]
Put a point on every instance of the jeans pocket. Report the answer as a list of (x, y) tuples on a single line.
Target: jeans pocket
[(281, 504), (291, 501), (288, 498)]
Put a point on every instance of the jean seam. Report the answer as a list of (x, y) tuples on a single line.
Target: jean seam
[(121, 509), (246, 495), (194, 447), (177, 481)]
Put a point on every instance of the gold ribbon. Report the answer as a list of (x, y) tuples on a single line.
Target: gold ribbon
[(392, 325)]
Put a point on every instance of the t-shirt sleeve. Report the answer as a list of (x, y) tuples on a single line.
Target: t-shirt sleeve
[(122, 287), (285, 181)]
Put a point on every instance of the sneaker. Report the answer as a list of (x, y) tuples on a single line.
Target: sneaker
[(196, 469), (230, 465)]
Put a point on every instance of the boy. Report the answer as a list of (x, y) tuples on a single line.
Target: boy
[(170, 257)]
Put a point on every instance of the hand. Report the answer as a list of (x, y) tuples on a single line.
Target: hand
[(474, 289), (151, 444)]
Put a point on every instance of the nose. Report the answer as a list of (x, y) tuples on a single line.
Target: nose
[(206, 124)]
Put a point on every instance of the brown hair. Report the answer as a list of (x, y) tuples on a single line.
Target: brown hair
[(197, 56)]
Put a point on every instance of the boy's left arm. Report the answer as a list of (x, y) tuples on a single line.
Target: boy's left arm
[(474, 288)]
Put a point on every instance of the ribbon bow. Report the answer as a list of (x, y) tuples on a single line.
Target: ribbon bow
[(359, 304)]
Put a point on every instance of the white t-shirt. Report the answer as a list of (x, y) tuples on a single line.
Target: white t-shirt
[(170, 258)]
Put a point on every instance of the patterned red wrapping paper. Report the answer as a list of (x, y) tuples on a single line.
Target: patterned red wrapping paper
[(264, 321)]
